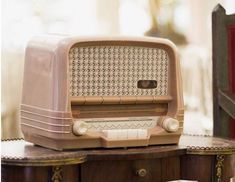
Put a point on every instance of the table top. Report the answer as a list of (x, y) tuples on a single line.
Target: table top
[(20, 152)]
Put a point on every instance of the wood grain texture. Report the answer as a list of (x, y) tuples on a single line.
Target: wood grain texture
[(163, 169), (69, 173), (24, 174), (135, 153), (170, 168), (194, 167), (222, 66), (28, 154), (162, 163), (231, 52), (227, 102), (121, 171), (220, 78), (231, 48), (229, 167)]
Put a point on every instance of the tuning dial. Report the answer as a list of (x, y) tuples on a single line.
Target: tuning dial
[(170, 124), (80, 128)]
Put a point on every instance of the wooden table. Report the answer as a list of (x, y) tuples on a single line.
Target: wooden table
[(195, 158)]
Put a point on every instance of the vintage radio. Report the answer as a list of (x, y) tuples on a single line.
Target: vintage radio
[(101, 92)]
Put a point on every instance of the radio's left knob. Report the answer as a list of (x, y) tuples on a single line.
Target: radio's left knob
[(80, 128)]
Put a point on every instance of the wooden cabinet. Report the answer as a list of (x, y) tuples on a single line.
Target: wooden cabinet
[(116, 171), (195, 158), (160, 169)]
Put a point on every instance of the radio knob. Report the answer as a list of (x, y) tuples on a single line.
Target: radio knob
[(80, 128), (170, 124)]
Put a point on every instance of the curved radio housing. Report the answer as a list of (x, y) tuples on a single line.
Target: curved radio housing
[(101, 92)]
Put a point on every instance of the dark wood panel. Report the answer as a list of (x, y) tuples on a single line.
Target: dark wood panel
[(219, 66), (197, 167), (133, 153), (223, 80), (229, 167), (171, 168), (24, 174), (224, 128), (70, 173), (231, 53), (121, 171)]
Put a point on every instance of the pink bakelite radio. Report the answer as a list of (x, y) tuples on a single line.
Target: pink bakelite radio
[(101, 92)]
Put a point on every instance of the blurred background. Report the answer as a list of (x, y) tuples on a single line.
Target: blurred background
[(186, 22)]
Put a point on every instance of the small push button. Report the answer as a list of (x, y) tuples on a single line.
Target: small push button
[(125, 134)]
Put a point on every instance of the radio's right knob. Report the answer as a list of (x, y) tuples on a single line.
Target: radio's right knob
[(80, 128), (170, 124)]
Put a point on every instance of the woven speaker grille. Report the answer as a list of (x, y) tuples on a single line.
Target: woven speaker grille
[(115, 70)]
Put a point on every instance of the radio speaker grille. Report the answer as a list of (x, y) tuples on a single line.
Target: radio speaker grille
[(116, 70)]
